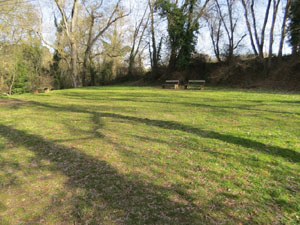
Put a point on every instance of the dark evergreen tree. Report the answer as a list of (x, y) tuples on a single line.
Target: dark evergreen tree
[(294, 27), (182, 29)]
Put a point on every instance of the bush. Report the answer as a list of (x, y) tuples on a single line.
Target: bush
[(21, 68)]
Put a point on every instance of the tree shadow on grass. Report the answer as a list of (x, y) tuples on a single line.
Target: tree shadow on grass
[(288, 154), (285, 153), (214, 107), (10, 103), (288, 102), (143, 99), (131, 200), (134, 201)]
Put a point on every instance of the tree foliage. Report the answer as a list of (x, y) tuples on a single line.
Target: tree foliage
[(113, 53), (183, 27), (22, 68), (24, 62), (294, 27)]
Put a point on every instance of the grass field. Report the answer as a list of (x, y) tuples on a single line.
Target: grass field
[(137, 155)]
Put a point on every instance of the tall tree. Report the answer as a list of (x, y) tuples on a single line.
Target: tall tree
[(271, 40), (294, 27), (214, 23), (69, 27), (284, 26), (257, 41), (183, 25), (229, 22), (114, 51), (138, 35), (154, 54), (21, 53), (96, 29)]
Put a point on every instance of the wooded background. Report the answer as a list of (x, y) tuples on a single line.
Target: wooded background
[(247, 43)]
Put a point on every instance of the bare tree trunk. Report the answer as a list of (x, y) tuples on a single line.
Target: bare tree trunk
[(87, 52), (215, 37), (136, 42), (284, 26), (172, 62), (231, 28), (154, 56), (131, 61), (214, 24), (93, 73), (262, 37), (73, 44), (275, 10), (258, 44), (14, 73), (85, 70), (69, 29), (12, 83), (260, 41), (74, 64), (217, 45), (249, 27)]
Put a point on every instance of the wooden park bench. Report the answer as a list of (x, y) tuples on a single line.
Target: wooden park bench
[(172, 83), (200, 82), (41, 90), (46, 90)]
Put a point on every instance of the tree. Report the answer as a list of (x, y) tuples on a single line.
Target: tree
[(214, 23), (230, 24), (21, 53), (154, 47), (284, 26), (8, 69), (18, 20), (271, 40), (22, 66), (60, 59), (114, 52), (294, 27), (69, 28), (138, 35), (183, 25), (257, 42), (95, 30), (153, 54)]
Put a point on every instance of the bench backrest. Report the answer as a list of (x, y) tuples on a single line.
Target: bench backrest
[(197, 81), (172, 81)]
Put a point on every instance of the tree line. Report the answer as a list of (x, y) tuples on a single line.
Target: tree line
[(96, 42)]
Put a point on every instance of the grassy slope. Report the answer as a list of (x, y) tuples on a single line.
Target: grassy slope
[(128, 155)]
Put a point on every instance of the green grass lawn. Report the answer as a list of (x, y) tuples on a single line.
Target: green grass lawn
[(140, 155)]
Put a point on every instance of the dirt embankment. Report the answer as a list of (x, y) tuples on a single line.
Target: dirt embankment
[(283, 74)]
